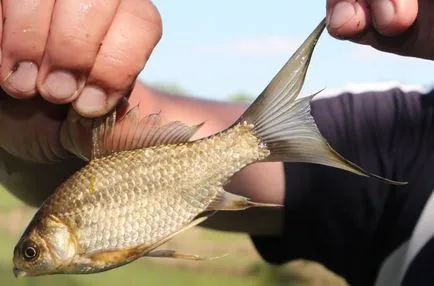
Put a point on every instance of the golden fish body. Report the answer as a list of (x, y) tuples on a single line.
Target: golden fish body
[(141, 196), (145, 183)]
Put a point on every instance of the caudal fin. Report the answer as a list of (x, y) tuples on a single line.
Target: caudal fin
[(284, 123)]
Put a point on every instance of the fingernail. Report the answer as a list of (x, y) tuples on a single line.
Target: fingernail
[(60, 85), (22, 79), (341, 14), (92, 101), (383, 13)]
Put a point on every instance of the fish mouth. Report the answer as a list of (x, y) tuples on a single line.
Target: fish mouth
[(19, 273)]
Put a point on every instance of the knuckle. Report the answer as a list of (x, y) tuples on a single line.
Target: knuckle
[(151, 12), (153, 18), (72, 50), (28, 44), (117, 71), (71, 40), (149, 19)]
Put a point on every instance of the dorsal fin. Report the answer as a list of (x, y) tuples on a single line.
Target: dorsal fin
[(122, 129), (129, 132)]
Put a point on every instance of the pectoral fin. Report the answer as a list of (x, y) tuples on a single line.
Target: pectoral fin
[(226, 201), (106, 260), (147, 249)]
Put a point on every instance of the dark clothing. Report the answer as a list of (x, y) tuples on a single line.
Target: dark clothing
[(349, 223)]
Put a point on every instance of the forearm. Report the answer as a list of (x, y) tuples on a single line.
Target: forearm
[(217, 115)]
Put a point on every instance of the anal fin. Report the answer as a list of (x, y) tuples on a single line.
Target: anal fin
[(226, 201)]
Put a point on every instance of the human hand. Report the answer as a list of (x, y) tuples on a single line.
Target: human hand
[(403, 27), (37, 131), (84, 52), (89, 55)]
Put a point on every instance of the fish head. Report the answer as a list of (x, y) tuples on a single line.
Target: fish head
[(48, 246)]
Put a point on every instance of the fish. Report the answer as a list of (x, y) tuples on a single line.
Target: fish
[(145, 182)]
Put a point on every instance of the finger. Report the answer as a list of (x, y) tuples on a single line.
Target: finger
[(134, 33), (347, 18), (24, 36), (77, 30), (392, 17)]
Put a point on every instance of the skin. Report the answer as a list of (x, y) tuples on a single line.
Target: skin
[(110, 68), (39, 37), (403, 27)]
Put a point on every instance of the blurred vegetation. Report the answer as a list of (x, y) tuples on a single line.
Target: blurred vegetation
[(7, 200), (171, 88), (241, 97)]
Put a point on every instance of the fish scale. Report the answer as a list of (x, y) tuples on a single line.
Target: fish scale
[(185, 177)]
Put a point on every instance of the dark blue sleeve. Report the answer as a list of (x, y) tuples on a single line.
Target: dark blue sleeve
[(351, 223)]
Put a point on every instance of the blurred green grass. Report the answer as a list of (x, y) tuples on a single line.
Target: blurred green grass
[(8, 200)]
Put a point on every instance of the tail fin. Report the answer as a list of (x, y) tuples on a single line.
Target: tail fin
[(284, 123)]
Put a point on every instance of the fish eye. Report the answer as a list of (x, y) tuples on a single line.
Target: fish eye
[(30, 251)]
